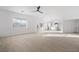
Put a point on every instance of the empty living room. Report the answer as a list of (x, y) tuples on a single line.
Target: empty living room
[(39, 28)]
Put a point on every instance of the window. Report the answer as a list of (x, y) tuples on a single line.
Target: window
[(19, 22)]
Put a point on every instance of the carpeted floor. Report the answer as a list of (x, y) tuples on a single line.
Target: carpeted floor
[(40, 43)]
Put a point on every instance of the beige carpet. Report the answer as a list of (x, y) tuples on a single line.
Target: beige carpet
[(40, 43)]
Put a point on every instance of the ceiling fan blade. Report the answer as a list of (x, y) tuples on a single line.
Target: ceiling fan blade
[(40, 11)]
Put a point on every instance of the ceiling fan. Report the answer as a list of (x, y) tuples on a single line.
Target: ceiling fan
[(38, 9)]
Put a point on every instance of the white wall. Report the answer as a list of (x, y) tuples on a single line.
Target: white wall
[(54, 14), (71, 26), (77, 25), (6, 26)]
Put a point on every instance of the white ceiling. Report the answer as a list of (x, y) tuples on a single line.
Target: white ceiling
[(64, 12)]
